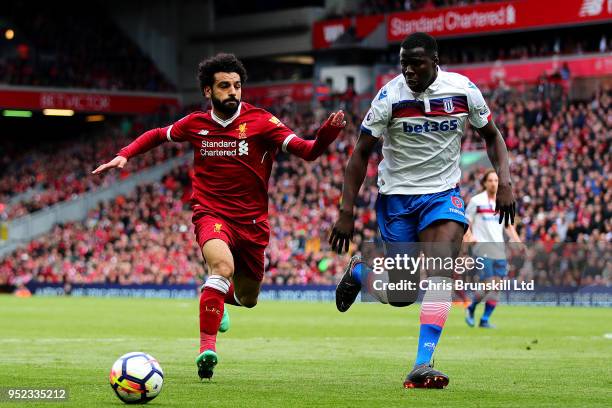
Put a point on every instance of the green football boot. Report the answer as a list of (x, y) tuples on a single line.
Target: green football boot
[(225, 322), (206, 363)]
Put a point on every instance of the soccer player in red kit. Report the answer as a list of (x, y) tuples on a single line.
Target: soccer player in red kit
[(235, 144)]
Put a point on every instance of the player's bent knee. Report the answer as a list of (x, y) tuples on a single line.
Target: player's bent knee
[(248, 301), (222, 268), (400, 304)]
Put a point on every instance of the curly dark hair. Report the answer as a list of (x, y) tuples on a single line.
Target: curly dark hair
[(219, 63)]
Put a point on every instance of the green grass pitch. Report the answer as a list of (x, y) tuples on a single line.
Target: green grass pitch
[(308, 354)]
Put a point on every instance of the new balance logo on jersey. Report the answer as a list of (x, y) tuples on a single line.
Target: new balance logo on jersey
[(444, 126), (203, 132), (243, 148), (592, 8)]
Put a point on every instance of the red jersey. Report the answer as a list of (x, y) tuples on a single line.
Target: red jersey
[(233, 158)]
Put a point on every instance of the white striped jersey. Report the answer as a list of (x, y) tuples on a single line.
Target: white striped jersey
[(485, 226), (422, 132)]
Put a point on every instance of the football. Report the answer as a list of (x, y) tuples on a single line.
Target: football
[(136, 378)]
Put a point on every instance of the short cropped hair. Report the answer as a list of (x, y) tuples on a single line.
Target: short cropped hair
[(424, 40), (219, 63)]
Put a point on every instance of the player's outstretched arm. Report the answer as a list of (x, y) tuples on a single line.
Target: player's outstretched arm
[(118, 162), (145, 142), (327, 133), (342, 231), (498, 154)]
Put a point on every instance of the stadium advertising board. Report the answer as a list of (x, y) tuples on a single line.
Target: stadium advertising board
[(297, 91), (84, 101), (324, 33), (515, 72), (496, 17), (523, 71), (551, 295)]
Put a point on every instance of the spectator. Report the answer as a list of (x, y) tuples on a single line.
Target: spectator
[(54, 172), (560, 162)]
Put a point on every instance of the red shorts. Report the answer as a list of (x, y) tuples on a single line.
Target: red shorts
[(246, 241)]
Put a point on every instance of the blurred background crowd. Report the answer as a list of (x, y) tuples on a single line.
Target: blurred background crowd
[(560, 162), (556, 128), (50, 172)]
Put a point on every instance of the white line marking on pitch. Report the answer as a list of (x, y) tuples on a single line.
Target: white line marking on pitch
[(63, 340)]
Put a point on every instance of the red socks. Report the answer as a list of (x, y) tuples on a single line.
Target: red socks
[(216, 291), (211, 310)]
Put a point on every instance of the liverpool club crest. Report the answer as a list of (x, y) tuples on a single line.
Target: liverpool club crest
[(242, 131)]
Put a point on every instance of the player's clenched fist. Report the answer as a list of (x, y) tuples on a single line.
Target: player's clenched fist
[(118, 162)]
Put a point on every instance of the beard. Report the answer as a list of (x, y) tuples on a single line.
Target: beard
[(224, 107)]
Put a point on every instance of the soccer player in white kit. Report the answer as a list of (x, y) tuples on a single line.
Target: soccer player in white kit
[(420, 116), (487, 237)]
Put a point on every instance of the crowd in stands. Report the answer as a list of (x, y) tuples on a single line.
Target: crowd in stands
[(64, 46), (522, 47), (560, 162), (561, 165), (390, 6), (144, 237), (467, 50), (52, 172)]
